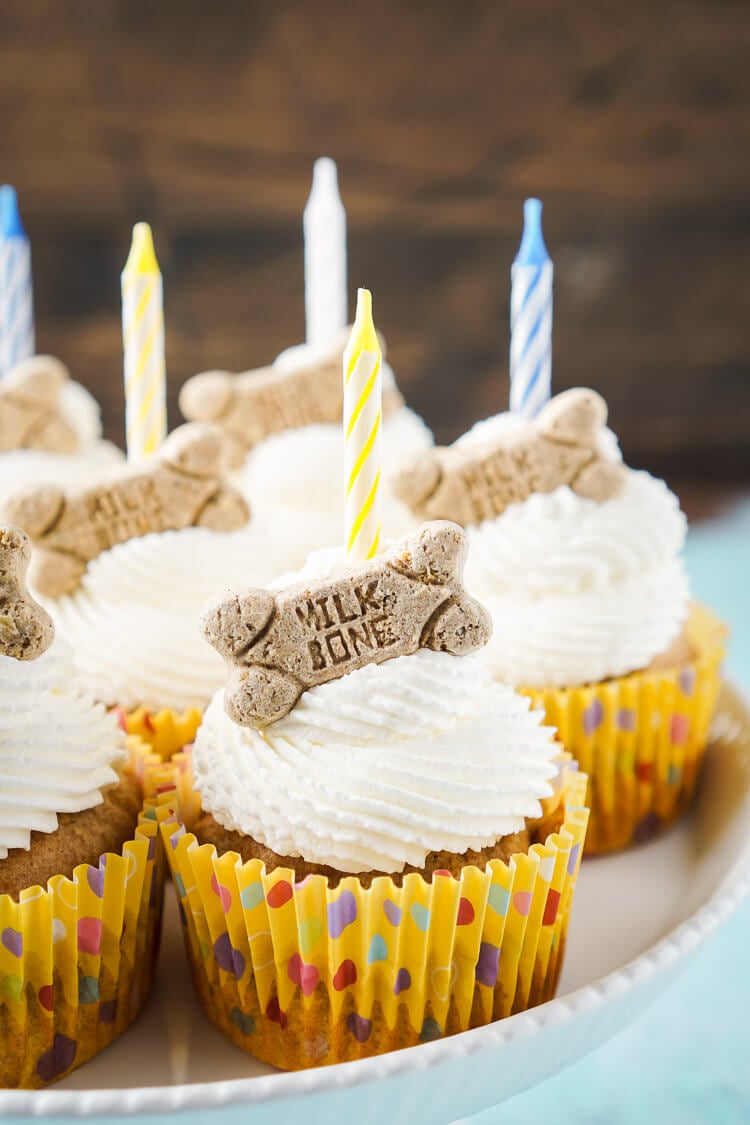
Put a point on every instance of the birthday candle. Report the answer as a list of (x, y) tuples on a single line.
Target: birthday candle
[(324, 225), (16, 291), (362, 424), (531, 318), (143, 340)]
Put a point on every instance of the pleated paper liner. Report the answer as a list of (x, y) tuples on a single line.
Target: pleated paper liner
[(165, 731), (299, 974), (641, 738), (77, 958)]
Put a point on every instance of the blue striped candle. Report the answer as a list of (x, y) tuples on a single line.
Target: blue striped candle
[(531, 318), (16, 292)]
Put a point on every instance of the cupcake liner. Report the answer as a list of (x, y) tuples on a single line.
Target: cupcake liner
[(76, 959), (188, 798), (641, 738), (165, 731), (301, 974)]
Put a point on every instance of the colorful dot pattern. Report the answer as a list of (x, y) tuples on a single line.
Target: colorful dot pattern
[(641, 738), (73, 956), (295, 972)]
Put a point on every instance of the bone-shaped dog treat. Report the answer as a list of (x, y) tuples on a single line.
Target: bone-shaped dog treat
[(26, 630), (182, 486), (30, 413), (279, 644), (472, 483), (254, 404)]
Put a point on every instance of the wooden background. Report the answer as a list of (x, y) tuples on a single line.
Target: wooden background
[(631, 121)]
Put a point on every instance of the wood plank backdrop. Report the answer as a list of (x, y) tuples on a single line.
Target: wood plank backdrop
[(632, 122)]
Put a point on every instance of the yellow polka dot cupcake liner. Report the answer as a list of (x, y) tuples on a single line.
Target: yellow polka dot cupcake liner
[(165, 731), (641, 738), (300, 974), (77, 958)]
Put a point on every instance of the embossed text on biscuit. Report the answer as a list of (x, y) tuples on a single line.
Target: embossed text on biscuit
[(278, 645)]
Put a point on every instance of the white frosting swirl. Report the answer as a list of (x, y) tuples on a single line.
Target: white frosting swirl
[(134, 619), (294, 480), (373, 771), (57, 748), (580, 591), (294, 484), (82, 412)]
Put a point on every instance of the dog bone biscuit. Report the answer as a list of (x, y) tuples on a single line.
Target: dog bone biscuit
[(279, 644), (30, 413), (473, 483), (26, 630), (254, 404), (182, 486)]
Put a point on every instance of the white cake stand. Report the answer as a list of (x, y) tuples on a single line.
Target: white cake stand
[(637, 918)]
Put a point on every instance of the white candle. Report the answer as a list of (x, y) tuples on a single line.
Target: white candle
[(324, 226)]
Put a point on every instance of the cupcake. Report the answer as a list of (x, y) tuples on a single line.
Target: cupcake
[(378, 843), (284, 425), (579, 560), (80, 876), (124, 568), (50, 429)]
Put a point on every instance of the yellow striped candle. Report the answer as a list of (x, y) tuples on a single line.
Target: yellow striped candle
[(362, 425), (143, 341)]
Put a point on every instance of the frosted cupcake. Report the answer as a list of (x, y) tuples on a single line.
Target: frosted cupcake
[(392, 848), (80, 877), (579, 560), (284, 426), (125, 566), (50, 429)]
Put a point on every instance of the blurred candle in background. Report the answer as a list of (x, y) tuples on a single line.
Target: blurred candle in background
[(16, 289), (143, 341), (531, 318), (362, 426), (324, 225)]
